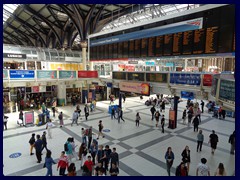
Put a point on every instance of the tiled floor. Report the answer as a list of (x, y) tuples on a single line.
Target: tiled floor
[(141, 149)]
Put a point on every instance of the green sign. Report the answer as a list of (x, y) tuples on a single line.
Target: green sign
[(5, 74), (46, 74), (67, 74)]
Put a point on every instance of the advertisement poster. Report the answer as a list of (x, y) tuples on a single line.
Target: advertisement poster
[(42, 74), (87, 74), (187, 95), (139, 88), (29, 118), (35, 89), (207, 79), (67, 74), (171, 115), (21, 74), (5, 74), (185, 79)]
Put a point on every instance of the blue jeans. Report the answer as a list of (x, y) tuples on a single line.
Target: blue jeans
[(49, 171), (84, 139)]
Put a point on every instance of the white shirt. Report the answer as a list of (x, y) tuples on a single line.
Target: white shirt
[(203, 169)]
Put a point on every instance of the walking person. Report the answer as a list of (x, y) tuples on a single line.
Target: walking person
[(5, 120), (190, 115), (114, 158), (89, 135), (72, 170), (213, 140), (114, 171), (157, 116), (202, 105), (93, 150), (202, 168), (195, 123), (199, 115), (62, 164), (60, 117), (86, 111), (75, 117), (181, 170), (138, 118), (78, 110), (162, 106), (72, 142), (82, 153), (89, 164), (53, 110), (184, 116), (220, 170), (112, 113), (68, 149), (200, 139), (120, 115), (48, 163), (106, 158), (153, 110), (38, 147), (232, 142), (186, 159), (31, 142), (49, 126), (169, 156), (100, 155), (84, 136), (44, 141), (162, 123), (100, 128)]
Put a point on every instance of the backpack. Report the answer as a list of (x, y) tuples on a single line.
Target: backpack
[(66, 146)]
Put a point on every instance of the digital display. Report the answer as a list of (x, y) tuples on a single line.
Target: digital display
[(136, 76), (119, 75), (168, 45), (159, 46), (144, 47), (227, 91), (177, 43), (156, 77), (125, 49), (110, 51), (187, 42), (211, 40), (120, 50), (137, 48), (102, 52), (106, 51), (115, 50), (198, 42), (151, 46), (131, 48), (98, 50)]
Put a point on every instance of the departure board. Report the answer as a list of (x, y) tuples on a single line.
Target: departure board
[(119, 75), (211, 40), (110, 51), (131, 49), (168, 45), (102, 52), (151, 46), (120, 50), (225, 39), (115, 50), (106, 51), (91, 53), (125, 49), (177, 43), (144, 47), (187, 42), (159, 46), (136, 76), (199, 41), (137, 47), (98, 50), (227, 91)]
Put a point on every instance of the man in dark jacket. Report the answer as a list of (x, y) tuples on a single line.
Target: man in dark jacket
[(232, 142), (202, 105), (38, 147), (195, 123), (153, 110), (114, 157), (44, 141)]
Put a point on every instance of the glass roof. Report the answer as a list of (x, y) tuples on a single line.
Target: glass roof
[(8, 10)]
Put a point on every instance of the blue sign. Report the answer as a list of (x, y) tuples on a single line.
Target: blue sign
[(106, 130), (109, 85), (187, 95), (149, 63), (21, 74), (188, 79), (15, 155), (169, 64)]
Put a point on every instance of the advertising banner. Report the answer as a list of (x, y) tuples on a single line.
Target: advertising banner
[(186, 79), (21, 74), (139, 88), (42, 74), (87, 74), (35, 89), (29, 118), (67, 74), (5, 74), (207, 79), (187, 95)]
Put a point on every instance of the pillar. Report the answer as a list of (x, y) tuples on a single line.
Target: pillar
[(61, 96), (84, 54)]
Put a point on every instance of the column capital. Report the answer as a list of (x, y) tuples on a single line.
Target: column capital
[(83, 44)]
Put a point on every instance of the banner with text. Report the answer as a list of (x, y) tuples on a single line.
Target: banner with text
[(186, 79), (46, 74), (67, 74), (139, 88), (87, 74), (21, 74)]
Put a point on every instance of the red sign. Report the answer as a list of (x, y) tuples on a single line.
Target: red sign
[(87, 74), (129, 68), (35, 89), (29, 117), (207, 79)]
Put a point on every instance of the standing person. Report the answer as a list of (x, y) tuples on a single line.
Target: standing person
[(163, 106), (38, 147), (89, 164), (72, 142), (220, 170), (48, 163), (186, 157), (114, 158), (120, 115), (213, 140), (190, 115), (98, 168), (75, 117), (5, 120), (124, 97), (100, 155), (157, 116), (68, 149), (60, 117), (49, 126), (21, 115), (114, 171), (93, 150), (44, 141), (86, 111), (53, 110), (78, 110), (62, 164), (138, 118), (84, 137), (184, 115), (85, 171), (89, 135), (200, 139), (106, 159), (181, 170), (153, 110), (199, 115), (72, 170), (82, 153), (169, 156), (112, 113), (100, 128), (202, 168), (162, 123), (202, 105), (195, 123), (232, 142), (31, 142)]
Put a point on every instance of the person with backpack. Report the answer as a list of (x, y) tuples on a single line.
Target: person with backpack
[(213, 140), (60, 117), (31, 142), (68, 149)]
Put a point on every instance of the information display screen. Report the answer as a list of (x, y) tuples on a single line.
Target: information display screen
[(211, 40), (177, 43), (120, 50), (144, 47), (102, 55), (110, 51), (225, 39), (106, 51), (131, 49), (136, 76), (119, 75), (156, 77), (168, 45), (227, 91), (151, 46), (137, 48), (125, 49), (159, 46), (199, 41), (98, 50), (187, 42), (115, 50)]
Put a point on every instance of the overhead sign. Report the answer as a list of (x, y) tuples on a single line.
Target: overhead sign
[(45, 74), (139, 88), (67, 74), (21, 74), (186, 79), (87, 74), (14, 56)]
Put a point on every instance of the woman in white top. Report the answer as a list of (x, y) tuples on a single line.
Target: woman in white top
[(49, 126)]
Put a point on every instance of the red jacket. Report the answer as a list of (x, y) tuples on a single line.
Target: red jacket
[(63, 162)]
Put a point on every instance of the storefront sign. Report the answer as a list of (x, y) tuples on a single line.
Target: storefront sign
[(187, 95), (35, 89), (29, 118), (21, 74), (42, 74), (67, 74), (227, 91), (129, 68), (188, 79), (149, 63), (14, 56), (87, 74), (207, 79), (139, 88), (132, 62), (5, 74)]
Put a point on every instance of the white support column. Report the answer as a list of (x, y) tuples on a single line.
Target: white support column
[(84, 54), (61, 94)]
